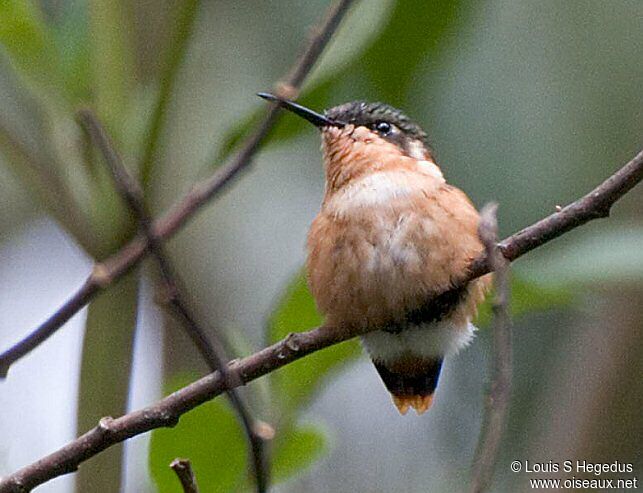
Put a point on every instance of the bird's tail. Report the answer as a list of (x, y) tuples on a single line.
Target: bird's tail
[(411, 386)]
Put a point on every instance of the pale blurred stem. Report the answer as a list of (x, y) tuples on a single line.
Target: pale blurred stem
[(112, 58), (496, 403), (105, 375), (176, 54), (107, 348), (211, 349)]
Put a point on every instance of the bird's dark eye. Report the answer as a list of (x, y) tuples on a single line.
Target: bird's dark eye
[(383, 128)]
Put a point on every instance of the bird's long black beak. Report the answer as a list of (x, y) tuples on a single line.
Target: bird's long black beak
[(313, 117)]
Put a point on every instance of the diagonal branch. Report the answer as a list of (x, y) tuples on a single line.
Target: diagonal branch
[(213, 351), (497, 399), (130, 255), (594, 205), (167, 411)]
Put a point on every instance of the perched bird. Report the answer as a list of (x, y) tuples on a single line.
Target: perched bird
[(391, 241)]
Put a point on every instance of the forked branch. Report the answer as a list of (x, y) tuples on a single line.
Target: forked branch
[(212, 351), (167, 411), (130, 255)]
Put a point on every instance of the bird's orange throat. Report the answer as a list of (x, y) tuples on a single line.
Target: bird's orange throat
[(352, 152)]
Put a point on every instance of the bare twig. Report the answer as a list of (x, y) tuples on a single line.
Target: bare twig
[(183, 470), (595, 205), (167, 411), (131, 254), (497, 398), (213, 352), (48, 328)]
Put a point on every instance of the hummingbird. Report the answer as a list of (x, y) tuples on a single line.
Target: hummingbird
[(389, 246)]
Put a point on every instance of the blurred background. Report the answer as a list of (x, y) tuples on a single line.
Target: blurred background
[(530, 104)]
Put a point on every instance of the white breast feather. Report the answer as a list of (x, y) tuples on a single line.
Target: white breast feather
[(374, 189)]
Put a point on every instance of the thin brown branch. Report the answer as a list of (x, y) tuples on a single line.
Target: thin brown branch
[(596, 204), (131, 254), (48, 328), (497, 399), (212, 351), (167, 411), (184, 472)]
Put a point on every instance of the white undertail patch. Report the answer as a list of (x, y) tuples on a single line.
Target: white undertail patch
[(437, 339)]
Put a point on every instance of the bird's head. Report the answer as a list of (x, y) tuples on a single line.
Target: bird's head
[(360, 137)]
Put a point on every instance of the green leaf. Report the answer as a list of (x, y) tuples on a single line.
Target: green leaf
[(184, 25), (358, 32), (297, 449), (355, 35), (526, 297), (28, 41), (211, 438), (297, 382), (417, 31), (296, 310)]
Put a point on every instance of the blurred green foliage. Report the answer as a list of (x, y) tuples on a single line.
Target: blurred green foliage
[(385, 68), (611, 258), (299, 447), (294, 448), (213, 439), (527, 297), (210, 437), (71, 36), (28, 40)]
